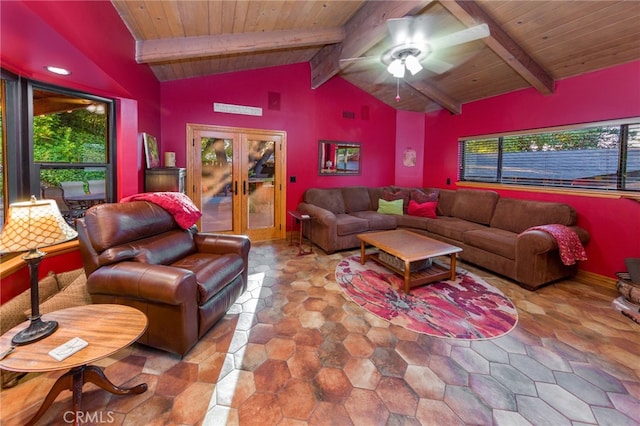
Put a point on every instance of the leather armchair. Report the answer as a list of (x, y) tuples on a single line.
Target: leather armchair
[(135, 254)]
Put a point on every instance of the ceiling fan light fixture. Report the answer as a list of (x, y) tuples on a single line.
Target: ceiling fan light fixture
[(396, 67), (412, 64)]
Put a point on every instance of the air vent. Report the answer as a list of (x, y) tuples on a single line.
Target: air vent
[(349, 114)]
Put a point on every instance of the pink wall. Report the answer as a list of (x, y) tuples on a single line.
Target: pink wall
[(614, 224), (306, 115), (90, 39), (409, 137)]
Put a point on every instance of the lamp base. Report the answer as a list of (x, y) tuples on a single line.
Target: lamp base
[(37, 330)]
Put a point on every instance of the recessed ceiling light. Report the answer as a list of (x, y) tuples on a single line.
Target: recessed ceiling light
[(57, 70)]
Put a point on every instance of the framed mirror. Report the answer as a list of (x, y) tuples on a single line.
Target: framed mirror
[(339, 158)]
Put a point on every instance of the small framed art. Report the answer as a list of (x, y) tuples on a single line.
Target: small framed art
[(151, 151)]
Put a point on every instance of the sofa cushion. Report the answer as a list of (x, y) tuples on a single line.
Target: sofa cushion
[(375, 193), (212, 272), (158, 250), (326, 198), (75, 294), (426, 209), (390, 207), (446, 198), (519, 215), (163, 249), (416, 222), (493, 240), (377, 221), (347, 224), (13, 312), (452, 227), (390, 194), (116, 224), (356, 199), (475, 205)]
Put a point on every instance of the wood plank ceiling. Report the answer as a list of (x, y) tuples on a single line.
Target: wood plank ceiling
[(531, 43)]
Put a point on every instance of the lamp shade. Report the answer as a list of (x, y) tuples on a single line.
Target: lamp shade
[(396, 67), (412, 64), (34, 224)]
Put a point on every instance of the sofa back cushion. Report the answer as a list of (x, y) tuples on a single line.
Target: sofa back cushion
[(375, 193), (475, 205), (518, 215), (446, 198), (356, 199), (326, 198), (114, 224), (162, 249)]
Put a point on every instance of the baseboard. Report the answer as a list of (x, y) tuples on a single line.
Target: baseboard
[(595, 279)]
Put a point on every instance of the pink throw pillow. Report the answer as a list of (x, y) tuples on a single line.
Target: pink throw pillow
[(427, 209)]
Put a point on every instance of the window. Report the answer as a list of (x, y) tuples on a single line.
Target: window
[(604, 156), (70, 141), (52, 135)]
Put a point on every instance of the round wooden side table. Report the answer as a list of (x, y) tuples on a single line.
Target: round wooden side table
[(107, 328)]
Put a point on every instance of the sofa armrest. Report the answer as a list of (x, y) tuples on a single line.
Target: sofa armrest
[(222, 244), (320, 216), (144, 281), (536, 242)]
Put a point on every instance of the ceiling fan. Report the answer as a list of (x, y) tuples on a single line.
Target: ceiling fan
[(421, 42), (414, 49)]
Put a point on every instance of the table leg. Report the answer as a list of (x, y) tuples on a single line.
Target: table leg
[(407, 276), (74, 379), (363, 257), (452, 266)]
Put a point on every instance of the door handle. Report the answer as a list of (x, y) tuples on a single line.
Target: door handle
[(235, 192), (244, 187)]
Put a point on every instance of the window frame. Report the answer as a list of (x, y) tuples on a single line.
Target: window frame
[(109, 165), (540, 187)]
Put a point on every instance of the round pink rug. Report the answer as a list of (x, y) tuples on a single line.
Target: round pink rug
[(467, 308)]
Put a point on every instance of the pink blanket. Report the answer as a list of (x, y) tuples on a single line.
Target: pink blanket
[(569, 244), (178, 204)]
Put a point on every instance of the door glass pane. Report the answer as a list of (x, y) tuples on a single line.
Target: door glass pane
[(216, 201), (261, 170)]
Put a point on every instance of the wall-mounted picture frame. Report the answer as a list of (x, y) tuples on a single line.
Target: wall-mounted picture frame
[(339, 158), (151, 151)]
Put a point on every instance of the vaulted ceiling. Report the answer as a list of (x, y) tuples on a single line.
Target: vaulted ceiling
[(531, 43)]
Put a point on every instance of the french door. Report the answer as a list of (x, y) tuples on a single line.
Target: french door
[(236, 177)]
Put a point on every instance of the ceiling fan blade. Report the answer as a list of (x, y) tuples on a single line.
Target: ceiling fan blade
[(360, 59), (460, 37), (401, 29), (436, 65)]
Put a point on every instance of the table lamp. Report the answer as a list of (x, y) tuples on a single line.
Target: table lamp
[(30, 226)]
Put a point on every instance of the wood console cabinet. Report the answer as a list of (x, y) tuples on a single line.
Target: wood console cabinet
[(165, 179)]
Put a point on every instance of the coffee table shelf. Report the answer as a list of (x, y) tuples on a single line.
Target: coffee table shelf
[(435, 272), (411, 247)]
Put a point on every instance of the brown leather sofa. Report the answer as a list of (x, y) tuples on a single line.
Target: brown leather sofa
[(135, 254)]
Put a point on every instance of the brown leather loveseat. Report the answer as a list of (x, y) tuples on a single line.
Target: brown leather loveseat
[(135, 254)]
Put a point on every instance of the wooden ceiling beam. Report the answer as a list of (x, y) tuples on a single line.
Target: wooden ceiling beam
[(364, 30), (471, 13), (170, 49), (437, 96)]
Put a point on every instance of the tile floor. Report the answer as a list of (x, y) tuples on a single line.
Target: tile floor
[(295, 351)]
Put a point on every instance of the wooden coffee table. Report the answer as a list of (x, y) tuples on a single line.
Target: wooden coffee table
[(107, 329), (410, 247)]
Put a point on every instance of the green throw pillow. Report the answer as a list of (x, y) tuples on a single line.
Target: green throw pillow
[(390, 207)]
